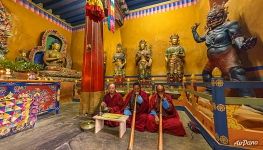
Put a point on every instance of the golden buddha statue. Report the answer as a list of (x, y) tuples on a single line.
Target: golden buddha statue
[(174, 57), (119, 60), (53, 58), (144, 60)]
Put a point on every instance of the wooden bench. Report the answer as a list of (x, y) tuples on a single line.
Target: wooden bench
[(99, 122)]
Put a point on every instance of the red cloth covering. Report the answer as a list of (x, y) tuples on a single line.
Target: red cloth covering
[(141, 110), (95, 11), (115, 103), (171, 120)]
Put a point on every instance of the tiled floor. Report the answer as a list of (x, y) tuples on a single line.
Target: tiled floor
[(62, 132)]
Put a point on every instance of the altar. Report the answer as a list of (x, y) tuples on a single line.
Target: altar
[(22, 101)]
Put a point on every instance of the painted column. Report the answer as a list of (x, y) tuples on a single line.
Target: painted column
[(220, 117), (92, 85)]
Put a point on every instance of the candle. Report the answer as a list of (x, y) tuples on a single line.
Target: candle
[(128, 84)]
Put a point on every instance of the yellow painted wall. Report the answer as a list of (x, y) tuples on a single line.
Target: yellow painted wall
[(156, 30), (77, 48), (250, 16), (110, 42), (27, 28)]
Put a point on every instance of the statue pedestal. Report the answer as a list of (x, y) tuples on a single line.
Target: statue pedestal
[(173, 78), (119, 79)]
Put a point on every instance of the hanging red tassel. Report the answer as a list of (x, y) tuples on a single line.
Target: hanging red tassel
[(94, 10)]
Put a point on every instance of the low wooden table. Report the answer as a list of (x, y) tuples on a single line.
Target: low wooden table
[(99, 122)]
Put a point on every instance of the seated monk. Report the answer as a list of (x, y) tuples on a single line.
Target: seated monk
[(171, 120), (141, 107), (113, 103)]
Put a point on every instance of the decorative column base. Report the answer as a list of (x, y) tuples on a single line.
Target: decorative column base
[(89, 101)]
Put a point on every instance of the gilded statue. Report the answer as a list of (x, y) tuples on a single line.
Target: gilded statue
[(119, 60), (53, 58), (144, 60), (224, 41), (174, 57)]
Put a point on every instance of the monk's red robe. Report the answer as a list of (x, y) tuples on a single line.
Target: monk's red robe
[(115, 105), (171, 120), (141, 110)]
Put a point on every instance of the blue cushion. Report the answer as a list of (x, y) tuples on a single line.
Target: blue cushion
[(39, 58)]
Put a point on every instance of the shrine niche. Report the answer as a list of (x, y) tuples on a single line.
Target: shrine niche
[(52, 54), (5, 30)]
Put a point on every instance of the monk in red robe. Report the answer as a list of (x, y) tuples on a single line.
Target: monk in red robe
[(141, 107), (171, 120), (113, 103)]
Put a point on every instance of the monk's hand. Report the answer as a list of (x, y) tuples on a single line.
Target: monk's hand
[(127, 112), (103, 104), (165, 103), (139, 99), (156, 119)]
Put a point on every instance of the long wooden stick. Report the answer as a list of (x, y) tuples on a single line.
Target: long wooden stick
[(160, 137), (133, 125)]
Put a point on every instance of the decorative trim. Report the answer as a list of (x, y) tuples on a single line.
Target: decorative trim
[(223, 140), (221, 107), (217, 82), (160, 8), (48, 15)]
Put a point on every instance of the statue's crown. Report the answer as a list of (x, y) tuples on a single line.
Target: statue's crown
[(218, 9), (143, 41), (174, 36)]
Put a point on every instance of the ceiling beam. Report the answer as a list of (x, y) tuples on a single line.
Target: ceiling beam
[(70, 7), (58, 3), (76, 18), (73, 13), (41, 1), (132, 7), (78, 22), (136, 2)]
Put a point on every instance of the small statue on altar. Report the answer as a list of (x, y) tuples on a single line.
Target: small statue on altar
[(23, 56), (174, 57), (53, 58), (119, 60), (224, 41), (144, 60)]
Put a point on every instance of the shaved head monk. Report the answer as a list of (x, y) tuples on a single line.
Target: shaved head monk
[(171, 120), (141, 107), (112, 102)]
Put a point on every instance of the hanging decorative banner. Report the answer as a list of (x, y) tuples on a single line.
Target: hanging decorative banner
[(111, 15), (94, 10)]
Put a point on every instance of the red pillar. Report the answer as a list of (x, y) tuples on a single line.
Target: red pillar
[(93, 69)]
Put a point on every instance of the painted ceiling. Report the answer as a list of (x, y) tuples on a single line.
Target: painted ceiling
[(73, 12)]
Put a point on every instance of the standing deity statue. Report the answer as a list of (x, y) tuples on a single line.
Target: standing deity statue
[(144, 60), (119, 60), (174, 57), (224, 41)]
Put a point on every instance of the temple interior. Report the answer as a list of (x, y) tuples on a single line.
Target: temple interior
[(131, 74)]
